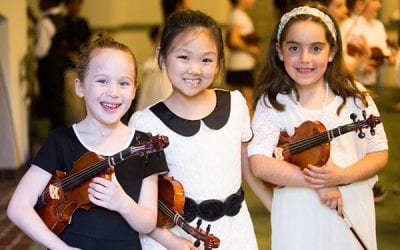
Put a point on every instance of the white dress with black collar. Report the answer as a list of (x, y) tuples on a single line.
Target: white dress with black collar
[(205, 157)]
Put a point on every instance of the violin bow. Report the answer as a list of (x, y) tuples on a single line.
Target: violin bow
[(348, 222)]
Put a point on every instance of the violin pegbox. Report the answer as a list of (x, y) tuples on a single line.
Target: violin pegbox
[(369, 122)]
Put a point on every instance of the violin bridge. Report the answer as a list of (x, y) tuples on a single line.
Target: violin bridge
[(53, 192), (278, 153)]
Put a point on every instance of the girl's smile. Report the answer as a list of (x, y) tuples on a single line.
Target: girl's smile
[(192, 64), (305, 52)]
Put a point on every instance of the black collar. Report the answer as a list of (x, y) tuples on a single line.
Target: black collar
[(215, 120)]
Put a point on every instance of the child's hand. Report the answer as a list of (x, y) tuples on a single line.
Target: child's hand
[(328, 175), (254, 50), (107, 194), (331, 197), (179, 243)]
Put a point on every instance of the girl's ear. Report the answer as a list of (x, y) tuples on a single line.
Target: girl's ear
[(332, 53), (161, 62), (279, 51), (79, 88)]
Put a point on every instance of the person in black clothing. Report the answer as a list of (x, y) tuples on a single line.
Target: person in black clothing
[(50, 53), (121, 206), (78, 31), (77, 34)]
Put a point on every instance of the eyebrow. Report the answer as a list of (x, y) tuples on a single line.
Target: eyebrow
[(191, 52), (314, 43)]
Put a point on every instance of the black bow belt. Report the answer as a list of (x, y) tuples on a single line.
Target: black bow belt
[(213, 209)]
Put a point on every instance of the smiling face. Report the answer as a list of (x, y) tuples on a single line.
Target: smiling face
[(192, 63), (108, 86), (305, 53)]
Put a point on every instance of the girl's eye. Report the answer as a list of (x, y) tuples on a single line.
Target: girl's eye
[(102, 81), (293, 48), (208, 60), (316, 49), (183, 57), (125, 83)]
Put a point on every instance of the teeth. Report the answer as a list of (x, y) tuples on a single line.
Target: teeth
[(192, 81), (304, 70), (109, 105)]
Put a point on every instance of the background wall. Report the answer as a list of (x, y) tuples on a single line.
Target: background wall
[(13, 105)]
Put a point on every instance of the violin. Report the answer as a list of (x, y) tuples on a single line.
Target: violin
[(251, 39), (65, 193), (310, 142), (376, 53), (171, 200)]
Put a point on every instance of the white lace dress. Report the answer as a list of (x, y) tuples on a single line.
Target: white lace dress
[(207, 163), (298, 219)]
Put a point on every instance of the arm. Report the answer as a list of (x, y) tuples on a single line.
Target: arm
[(141, 216), (236, 41), (276, 171), (332, 175), (170, 240), (261, 190), (45, 31), (21, 208), (283, 173)]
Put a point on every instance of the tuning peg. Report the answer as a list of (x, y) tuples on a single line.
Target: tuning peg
[(198, 224), (364, 114), (353, 116), (372, 131), (208, 228)]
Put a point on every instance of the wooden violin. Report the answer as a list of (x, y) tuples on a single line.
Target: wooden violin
[(310, 142), (377, 54), (171, 200), (251, 39), (67, 192)]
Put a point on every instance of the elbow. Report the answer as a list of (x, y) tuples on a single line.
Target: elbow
[(254, 167), (384, 159), (12, 211), (150, 224)]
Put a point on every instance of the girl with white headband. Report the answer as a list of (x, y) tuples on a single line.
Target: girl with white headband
[(304, 78)]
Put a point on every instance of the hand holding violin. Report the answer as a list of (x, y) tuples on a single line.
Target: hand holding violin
[(329, 175), (108, 194), (179, 243)]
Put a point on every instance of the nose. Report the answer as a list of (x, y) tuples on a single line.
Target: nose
[(113, 90), (194, 68), (305, 56)]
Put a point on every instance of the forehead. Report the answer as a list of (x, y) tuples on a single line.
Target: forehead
[(306, 30), (200, 35), (109, 59), (110, 54)]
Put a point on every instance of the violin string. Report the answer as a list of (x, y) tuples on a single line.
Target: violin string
[(176, 217), (87, 172), (299, 145)]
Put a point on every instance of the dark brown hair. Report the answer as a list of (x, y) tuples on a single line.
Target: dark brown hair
[(273, 78), (185, 21)]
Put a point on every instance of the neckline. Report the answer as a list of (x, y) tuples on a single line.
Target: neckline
[(215, 120), (322, 109), (89, 148)]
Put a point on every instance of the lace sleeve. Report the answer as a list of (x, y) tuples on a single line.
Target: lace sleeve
[(266, 132)]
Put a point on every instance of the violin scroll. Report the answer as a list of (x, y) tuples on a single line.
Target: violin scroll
[(369, 122)]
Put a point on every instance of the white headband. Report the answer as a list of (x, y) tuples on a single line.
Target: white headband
[(305, 10)]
